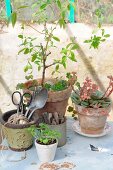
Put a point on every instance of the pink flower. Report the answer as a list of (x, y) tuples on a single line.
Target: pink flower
[(88, 89)]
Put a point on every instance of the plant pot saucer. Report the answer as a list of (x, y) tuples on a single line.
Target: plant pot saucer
[(77, 129)]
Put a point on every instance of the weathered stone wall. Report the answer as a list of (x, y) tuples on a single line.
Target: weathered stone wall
[(94, 63), (86, 11)]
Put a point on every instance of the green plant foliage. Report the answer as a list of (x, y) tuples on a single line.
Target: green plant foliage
[(73, 111), (13, 18), (44, 134), (96, 40), (37, 54), (94, 101), (59, 86)]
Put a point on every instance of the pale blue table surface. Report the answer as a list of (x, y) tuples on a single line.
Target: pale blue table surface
[(76, 151)]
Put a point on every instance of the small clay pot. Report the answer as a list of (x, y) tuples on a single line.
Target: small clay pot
[(18, 136), (92, 120)]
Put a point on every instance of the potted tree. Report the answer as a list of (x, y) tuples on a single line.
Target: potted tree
[(39, 54), (92, 106), (46, 141)]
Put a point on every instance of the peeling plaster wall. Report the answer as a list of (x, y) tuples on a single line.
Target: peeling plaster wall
[(94, 63)]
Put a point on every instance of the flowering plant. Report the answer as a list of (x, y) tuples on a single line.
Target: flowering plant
[(90, 96)]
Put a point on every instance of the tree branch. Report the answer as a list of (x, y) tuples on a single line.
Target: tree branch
[(34, 28), (44, 66), (52, 64)]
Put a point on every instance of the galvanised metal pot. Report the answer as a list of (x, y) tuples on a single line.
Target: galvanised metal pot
[(62, 129)]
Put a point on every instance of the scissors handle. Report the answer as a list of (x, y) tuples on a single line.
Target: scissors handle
[(13, 100), (29, 98)]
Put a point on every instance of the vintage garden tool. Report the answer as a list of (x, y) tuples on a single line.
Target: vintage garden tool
[(19, 117), (39, 101), (53, 118)]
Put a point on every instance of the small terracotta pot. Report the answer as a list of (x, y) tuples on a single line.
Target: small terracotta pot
[(17, 136), (92, 121), (46, 153), (62, 129), (57, 101)]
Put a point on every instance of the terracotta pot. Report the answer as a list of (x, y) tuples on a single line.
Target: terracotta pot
[(57, 101), (92, 121), (62, 129), (17, 136)]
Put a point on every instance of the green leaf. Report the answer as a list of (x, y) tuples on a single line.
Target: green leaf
[(69, 45), (34, 56), (53, 72), (21, 51), (20, 86), (43, 6), (26, 51), (13, 18), (103, 31), (57, 67), (24, 6), (64, 59), (72, 57), (62, 23), (26, 68), (56, 38), (78, 85), (20, 36), (59, 4), (29, 77), (64, 51), (107, 35), (39, 68), (70, 109), (75, 46), (45, 141), (87, 41), (84, 103)]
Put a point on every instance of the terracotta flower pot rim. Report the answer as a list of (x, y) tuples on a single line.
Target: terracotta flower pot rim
[(50, 79), (90, 108), (14, 126), (53, 96)]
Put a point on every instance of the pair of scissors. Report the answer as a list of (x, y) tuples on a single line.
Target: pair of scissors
[(20, 103)]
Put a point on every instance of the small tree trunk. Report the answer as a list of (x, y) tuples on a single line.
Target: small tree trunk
[(44, 65), (43, 73)]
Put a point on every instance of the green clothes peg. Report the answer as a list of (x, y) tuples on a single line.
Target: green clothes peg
[(8, 8), (72, 12)]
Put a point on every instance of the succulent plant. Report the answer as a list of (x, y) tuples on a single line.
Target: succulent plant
[(89, 95)]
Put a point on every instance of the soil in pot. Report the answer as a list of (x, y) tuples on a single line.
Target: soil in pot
[(46, 153), (50, 143), (92, 121), (17, 136)]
